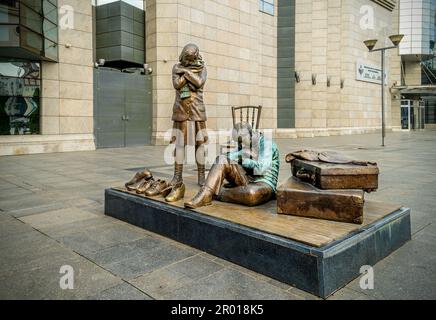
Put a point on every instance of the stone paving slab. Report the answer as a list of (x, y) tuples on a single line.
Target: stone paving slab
[(164, 281), (230, 284), (140, 257), (43, 283), (53, 218), (92, 235), (123, 291), (407, 273)]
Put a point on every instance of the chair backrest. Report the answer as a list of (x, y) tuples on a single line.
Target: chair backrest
[(250, 114)]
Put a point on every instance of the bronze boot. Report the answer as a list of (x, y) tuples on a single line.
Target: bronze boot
[(178, 174), (203, 198), (177, 193), (201, 174), (176, 188)]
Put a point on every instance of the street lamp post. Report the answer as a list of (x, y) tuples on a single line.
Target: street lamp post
[(370, 44)]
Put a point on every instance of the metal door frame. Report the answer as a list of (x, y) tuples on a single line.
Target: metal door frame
[(411, 105)]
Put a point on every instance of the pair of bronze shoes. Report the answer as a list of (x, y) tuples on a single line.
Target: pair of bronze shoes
[(171, 193), (139, 180), (144, 183)]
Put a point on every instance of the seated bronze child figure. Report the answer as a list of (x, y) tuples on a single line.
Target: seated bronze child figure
[(252, 172)]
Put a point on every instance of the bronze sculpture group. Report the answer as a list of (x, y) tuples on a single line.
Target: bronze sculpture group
[(252, 170)]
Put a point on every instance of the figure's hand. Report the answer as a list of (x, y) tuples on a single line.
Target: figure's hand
[(180, 70), (249, 153), (188, 72), (248, 163)]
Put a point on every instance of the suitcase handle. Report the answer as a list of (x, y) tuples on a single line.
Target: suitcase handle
[(305, 176)]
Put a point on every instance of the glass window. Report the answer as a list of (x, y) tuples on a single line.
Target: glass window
[(19, 97), (20, 69), (267, 6), (9, 36), (50, 30), (50, 49), (19, 87), (31, 40), (33, 4), (31, 19), (430, 111), (35, 28), (9, 12), (50, 11)]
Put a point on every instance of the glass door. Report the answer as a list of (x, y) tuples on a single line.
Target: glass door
[(412, 115), (405, 114), (421, 114)]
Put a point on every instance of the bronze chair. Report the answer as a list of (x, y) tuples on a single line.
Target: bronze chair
[(250, 114)]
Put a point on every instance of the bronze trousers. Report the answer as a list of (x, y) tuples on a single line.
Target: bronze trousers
[(244, 190)]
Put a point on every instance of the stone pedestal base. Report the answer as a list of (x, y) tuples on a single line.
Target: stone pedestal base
[(327, 256)]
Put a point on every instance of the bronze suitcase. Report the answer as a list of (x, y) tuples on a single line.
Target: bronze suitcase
[(328, 176), (302, 199)]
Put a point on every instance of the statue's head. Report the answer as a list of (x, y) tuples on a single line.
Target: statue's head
[(243, 133), (190, 54)]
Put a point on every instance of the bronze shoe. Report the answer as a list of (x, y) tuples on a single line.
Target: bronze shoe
[(177, 193), (203, 198), (133, 186), (144, 186), (156, 188), (136, 181)]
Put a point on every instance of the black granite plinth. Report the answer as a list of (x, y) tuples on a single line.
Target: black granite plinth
[(320, 271)]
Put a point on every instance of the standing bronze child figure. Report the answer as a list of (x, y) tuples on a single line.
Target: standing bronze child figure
[(189, 77)]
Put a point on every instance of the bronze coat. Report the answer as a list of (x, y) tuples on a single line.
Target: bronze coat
[(191, 108)]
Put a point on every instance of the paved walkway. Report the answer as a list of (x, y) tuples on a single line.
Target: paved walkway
[(51, 214)]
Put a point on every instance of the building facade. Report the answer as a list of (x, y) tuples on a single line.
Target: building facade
[(76, 75), (418, 64)]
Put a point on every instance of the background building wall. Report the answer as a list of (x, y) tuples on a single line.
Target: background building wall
[(417, 19), (395, 71), (238, 43), (67, 86), (66, 91), (336, 44)]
